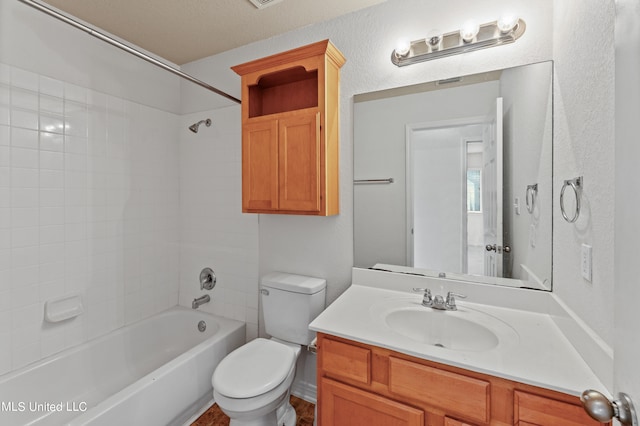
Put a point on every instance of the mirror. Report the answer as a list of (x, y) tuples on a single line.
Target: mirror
[(454, 177)]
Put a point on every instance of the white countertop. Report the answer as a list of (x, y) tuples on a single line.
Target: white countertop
[(542, 356)]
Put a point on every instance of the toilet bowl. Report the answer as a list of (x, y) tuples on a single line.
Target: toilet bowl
[(251, 385)]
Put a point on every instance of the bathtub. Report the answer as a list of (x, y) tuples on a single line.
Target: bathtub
[(153, 372)]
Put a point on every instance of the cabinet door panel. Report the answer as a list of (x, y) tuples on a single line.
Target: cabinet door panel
[(454, 393), (343, 405), (346, 361), (538, 410), (260, 166), (299, 156)]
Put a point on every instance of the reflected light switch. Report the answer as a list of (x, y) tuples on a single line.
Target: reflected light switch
[(532, 235), (585, 260)]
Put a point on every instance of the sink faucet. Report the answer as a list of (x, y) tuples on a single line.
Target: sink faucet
[(439, 302), (200, 301)]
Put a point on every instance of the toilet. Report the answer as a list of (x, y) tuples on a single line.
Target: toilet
[(251, 385)]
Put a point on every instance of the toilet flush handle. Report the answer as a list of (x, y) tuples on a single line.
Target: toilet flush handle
[(264, 291)]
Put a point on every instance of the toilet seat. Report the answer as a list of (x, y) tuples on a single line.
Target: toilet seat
[(258, 405), (253, 369)]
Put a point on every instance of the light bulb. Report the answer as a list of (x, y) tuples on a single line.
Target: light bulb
[(402, 47), (507, 22), (434, 40), (469, 31)]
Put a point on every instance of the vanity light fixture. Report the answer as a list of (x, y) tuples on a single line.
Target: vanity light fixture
[(507, 29)]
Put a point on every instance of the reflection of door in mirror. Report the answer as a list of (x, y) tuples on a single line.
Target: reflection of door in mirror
[(440, 229), (492, 166)]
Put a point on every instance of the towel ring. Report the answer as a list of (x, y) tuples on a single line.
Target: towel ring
[(530, 197), (576, 185)]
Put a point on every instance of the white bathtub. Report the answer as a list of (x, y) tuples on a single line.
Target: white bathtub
[(154, 372)]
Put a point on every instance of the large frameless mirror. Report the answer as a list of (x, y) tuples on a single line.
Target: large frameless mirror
[(454, 177)]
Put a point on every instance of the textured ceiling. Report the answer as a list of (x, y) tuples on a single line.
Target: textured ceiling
[(186, 30)]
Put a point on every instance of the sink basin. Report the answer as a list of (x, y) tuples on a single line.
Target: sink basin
[(463, 330)]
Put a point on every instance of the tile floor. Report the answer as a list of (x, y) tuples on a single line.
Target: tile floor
[(215, 417)]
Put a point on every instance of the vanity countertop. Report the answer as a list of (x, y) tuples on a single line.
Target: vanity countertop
[(542, 357)]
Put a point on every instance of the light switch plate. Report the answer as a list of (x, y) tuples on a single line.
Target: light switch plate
[(585, 261)]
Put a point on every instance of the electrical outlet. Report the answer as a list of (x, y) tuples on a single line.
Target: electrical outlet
[(585, 261)]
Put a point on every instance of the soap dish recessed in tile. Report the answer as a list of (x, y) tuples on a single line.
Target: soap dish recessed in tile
[(63, 308)]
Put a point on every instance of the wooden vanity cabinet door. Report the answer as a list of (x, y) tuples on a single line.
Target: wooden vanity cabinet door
[(344, 405)]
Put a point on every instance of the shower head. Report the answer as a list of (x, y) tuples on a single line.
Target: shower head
[(194, 127)]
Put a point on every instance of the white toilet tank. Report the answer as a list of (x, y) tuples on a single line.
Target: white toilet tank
[(289, 303)]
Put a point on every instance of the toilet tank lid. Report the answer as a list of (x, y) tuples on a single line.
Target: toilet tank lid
[(294, 283)]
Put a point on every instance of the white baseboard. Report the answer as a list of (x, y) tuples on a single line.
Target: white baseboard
[(305, 390), (204, 407)]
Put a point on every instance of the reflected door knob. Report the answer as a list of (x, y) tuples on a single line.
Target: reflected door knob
[(601, 409), (493, 247)]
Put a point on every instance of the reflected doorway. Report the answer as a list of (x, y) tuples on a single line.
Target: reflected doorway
[(445, 197)]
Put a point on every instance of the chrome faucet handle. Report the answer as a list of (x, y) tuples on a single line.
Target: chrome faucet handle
[(439, 303), (427, 300), (207, 279), (451, 300)]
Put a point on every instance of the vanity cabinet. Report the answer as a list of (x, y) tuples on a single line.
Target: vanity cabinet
[(290, 132), (360, 384)]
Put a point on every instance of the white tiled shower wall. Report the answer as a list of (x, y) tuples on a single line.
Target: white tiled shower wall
[(213, 230), (89, 205)]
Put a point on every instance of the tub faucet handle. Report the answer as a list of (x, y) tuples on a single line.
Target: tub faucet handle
[(207, 279)]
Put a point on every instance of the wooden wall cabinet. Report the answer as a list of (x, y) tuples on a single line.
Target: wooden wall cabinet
[(290, 131), (361, 384)]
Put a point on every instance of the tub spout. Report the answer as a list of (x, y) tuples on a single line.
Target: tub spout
[(200, 301)]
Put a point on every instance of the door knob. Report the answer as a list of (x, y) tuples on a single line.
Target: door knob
[(491, 247), (600, 408)]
